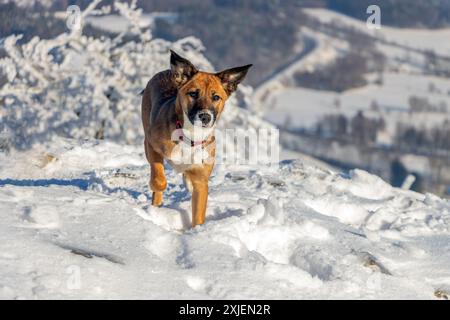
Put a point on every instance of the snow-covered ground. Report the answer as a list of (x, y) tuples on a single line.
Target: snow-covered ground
[(76, 223), (75, 215)]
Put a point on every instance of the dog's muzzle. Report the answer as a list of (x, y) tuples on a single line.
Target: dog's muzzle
[(205, 118)]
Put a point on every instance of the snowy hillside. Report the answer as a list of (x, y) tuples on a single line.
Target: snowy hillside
[(392, 98), (76, 223), (416, 38), (408, 90), (404, 76)]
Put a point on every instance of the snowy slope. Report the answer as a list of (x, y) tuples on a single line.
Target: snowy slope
[(279, 98), (304, 107), (417, 38), (388, 95), (76, 223)]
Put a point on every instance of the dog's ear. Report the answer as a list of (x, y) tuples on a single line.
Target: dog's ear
[(182, 69), (230, 78)]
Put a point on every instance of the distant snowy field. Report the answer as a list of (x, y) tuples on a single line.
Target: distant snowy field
[(303, 107), (417, 38), (282, 102), (76, 223)]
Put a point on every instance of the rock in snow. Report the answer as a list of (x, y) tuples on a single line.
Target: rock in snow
[(81, 226)]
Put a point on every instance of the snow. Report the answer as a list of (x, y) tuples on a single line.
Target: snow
[(422, 39), (28, 3), (81, 87), (79, 224), (324, 51), (117, 24), (304, 107), (75, 214), (283, 103)]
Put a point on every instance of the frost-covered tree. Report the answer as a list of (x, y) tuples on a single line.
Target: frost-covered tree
[(81, 87)]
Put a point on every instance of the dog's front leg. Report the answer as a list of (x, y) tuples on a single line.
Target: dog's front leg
[(158, 182), (199, 201), (199, 182)]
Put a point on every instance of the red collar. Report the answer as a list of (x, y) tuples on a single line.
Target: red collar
[(182, 137)]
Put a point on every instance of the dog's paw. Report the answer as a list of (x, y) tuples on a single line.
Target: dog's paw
[(157, 199)]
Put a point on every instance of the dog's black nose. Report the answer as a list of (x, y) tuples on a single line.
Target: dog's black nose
[(205, 117)]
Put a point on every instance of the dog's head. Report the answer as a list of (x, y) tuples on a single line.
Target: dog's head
[(202, 95)]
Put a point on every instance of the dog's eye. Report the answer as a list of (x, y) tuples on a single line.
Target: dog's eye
[(193, 94), (216, 97)]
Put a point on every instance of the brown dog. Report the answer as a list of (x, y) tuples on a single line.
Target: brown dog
[(180, 108)]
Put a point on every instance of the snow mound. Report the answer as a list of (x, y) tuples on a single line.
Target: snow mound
[(76, 222)]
